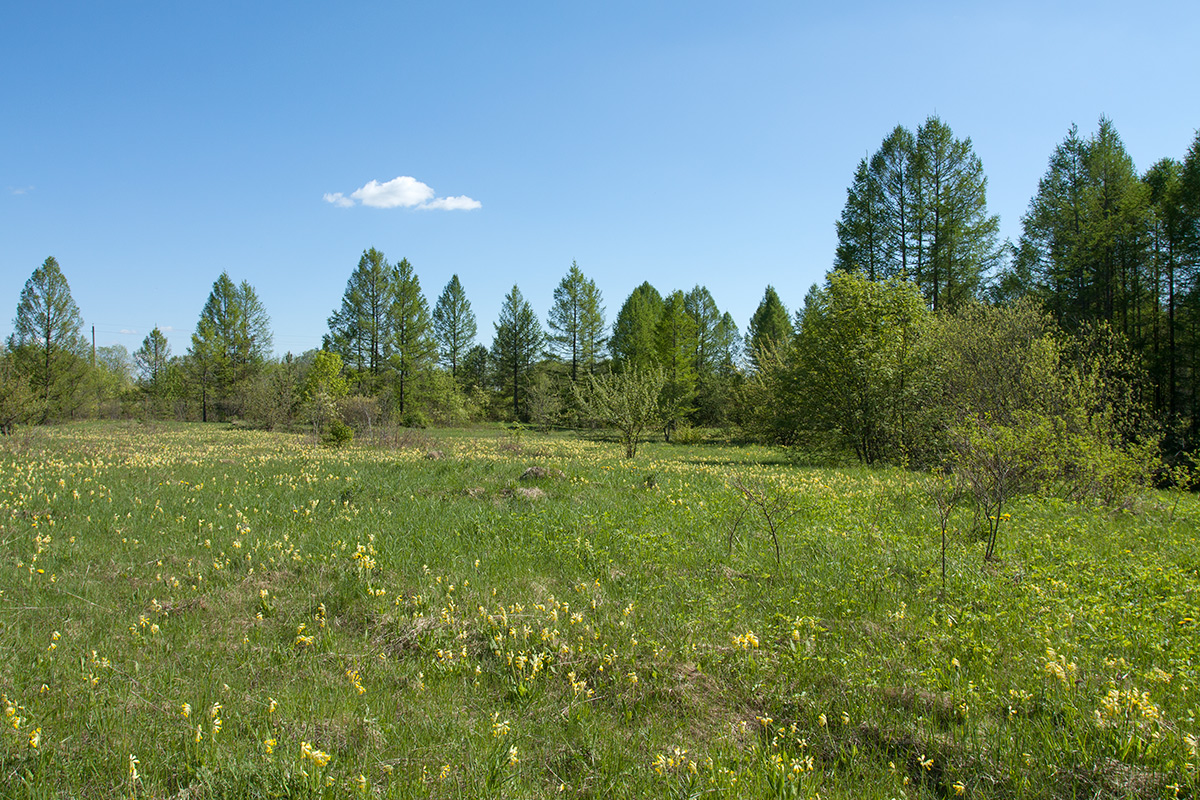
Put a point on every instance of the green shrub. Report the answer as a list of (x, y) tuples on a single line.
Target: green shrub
[(414, 419), (338, 434)]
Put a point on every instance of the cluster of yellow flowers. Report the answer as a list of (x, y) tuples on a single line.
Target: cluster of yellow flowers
[(674, 760), (1120, 706), (13, 716), (746, 641), (318, 757), (303, 639), (1058, 667)]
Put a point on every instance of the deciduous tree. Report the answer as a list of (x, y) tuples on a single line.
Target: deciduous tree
[(576, 322), (151, 360), (46, 341), (633, 342), (516, 347), (769, 327), (409, 332), (231, 343), (454, 325), (358, 330)]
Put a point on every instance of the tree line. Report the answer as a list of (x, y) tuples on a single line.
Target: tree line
[(1099, 297)]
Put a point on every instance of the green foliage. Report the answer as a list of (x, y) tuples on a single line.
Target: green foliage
[(628, 401), (151, 360), (323, 389), (47, 344), (358, 331), (576, 322), (634, 337), (231, 343), (18, 404), (956, 237), (325, 376), (857, 368), (544, 403), (410, 335), (1072, 403), (515, 348), (917, 210), (414, 419), (454, 326), (337, 433), (769, 328), (273, 401), (676, 341)]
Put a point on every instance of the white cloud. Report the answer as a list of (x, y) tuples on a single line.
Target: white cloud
[(338, 199), (128, 332), (460, 203), (401, 192), (21, 190)]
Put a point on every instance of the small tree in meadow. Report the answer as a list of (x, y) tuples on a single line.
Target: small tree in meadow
[(323, 388), (629, 401)]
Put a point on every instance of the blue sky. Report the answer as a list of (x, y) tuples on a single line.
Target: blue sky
[(150, 146)]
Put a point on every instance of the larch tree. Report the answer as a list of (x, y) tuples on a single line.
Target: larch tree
[(860, 231), (151, 360), (770, 326), (454, 326), (633, 343), (516, 347), (956, 242), (358, 330), (409, 334), (676, 342), (576, 322), (46, 341), (1168, 248), (917, 210), (231, 343)]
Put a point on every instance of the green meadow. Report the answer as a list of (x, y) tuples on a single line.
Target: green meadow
[(193, 611)]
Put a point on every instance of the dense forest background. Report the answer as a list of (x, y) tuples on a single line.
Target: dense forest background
[(929, 338)]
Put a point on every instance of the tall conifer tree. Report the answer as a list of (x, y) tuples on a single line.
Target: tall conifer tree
[(576, 322), (633, 342), (516, 347), (409, 334), (46, 341), (454, 325)]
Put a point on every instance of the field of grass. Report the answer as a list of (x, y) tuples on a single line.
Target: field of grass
[(193, 611)]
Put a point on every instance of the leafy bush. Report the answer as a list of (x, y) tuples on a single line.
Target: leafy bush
[(414, 419), (687, 434), (360, 412), (338, 434)]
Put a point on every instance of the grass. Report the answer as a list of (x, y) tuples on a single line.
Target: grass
[(414, 620)]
